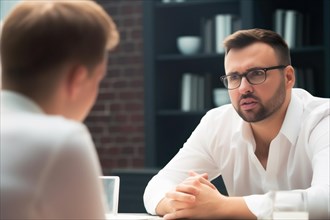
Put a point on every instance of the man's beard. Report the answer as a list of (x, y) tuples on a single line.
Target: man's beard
[(265, 110)]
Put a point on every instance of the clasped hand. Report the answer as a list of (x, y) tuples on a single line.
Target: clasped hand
[(195, 198)]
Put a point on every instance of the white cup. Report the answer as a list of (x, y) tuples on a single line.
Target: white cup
[(289, 205), (220, 96)]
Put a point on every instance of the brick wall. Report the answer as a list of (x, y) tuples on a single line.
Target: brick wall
[(116, 121)]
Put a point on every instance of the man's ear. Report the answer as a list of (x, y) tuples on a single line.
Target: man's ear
[(75, 80), (290, 77)]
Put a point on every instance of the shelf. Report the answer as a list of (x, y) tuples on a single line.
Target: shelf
[(179, 57), (308, 57), (308, 49), (192, 3), (171, 113), (195, 8)]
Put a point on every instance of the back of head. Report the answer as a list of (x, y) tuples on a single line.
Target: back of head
[(40, 37), (243, 38)]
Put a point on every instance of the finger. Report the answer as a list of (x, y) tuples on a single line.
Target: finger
[(189, 188), (207, 182), (180, 196), (193, 173), (203, 178), (178, 205), (180, 214)]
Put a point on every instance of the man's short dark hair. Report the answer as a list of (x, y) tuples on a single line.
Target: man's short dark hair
[(243, 38)]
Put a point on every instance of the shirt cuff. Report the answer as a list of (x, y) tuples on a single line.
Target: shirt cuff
[(154, 193), (260, 205)]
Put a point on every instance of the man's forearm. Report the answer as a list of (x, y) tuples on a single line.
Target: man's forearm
[(230, 208)]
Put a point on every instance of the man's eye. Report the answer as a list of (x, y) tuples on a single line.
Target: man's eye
[(255, 73), (234, 77)]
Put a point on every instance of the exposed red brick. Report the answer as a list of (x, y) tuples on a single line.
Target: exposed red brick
[(116, 122)]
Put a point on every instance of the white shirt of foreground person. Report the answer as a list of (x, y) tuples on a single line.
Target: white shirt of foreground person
[(49, 167), (223, 144)]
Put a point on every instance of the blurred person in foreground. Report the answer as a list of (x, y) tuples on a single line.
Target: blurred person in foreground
[(53, 56), (271, 137)]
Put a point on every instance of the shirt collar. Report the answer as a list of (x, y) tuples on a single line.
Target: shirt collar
[(16, 102), (243, 131), (292, 120), (290, 126)]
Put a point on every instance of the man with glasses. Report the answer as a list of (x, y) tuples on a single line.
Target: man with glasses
[(271, 137)]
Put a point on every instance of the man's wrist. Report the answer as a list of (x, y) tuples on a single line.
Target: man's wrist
[(163, 207), (236, 208)]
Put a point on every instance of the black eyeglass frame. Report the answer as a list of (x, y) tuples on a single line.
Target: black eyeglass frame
[(223, 78)]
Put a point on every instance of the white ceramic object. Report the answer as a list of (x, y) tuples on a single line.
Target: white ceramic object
[(290, 205), (220, 96), (189, 45)]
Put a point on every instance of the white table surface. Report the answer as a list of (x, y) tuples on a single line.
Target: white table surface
[(133, 216)]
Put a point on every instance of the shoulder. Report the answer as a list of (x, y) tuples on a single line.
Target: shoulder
[(68, 135), (40, 145), (315, 115), (41, 131), (312, 106)]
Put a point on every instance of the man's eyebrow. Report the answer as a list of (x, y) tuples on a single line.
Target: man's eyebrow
[(232, 73), (255, 68), (250, 69)]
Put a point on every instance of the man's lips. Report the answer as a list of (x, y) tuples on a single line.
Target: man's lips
[(248, 103)]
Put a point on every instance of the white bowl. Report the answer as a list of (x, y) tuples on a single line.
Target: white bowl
[(189, 45), (220, 96)]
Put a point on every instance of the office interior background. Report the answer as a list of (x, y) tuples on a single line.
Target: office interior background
[(137, 122)]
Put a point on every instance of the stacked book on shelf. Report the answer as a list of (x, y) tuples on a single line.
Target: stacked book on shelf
[(195, 92), (290, 24), (215, 29)]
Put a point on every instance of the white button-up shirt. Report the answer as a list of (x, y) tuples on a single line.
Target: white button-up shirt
[(49, 166), (223, 144)]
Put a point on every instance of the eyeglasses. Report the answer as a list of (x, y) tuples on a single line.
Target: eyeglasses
[(253, 76)]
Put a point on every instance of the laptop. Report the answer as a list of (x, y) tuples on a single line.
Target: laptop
[(111, 193), (111, 199), (132, 216)]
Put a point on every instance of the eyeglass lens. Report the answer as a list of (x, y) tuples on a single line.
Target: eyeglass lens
[(253, 77)]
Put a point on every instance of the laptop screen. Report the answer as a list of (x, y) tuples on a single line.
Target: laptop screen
[(111, 193)]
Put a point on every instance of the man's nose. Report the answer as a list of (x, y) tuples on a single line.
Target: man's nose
[(245, 86)]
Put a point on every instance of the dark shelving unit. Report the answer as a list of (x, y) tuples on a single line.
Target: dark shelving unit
[(166, 126)]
